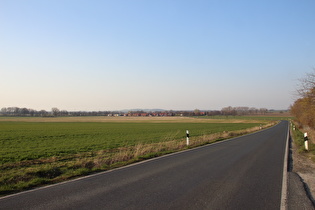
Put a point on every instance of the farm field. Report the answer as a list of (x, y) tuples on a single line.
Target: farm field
[(175, 119), (269, 117), (35, 152), (26, 141)]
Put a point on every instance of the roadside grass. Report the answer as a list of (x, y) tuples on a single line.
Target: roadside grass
[(34, 154), (298, 138)]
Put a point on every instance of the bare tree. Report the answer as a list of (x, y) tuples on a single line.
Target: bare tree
[(307, 85), (55, 111)]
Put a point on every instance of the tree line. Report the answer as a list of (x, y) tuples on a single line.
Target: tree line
[(243, 110), (303, 108), (55, 112)]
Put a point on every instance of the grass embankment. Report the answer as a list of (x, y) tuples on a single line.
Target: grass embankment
[(298, 138), (39, 153)]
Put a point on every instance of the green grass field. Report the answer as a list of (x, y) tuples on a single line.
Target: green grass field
[(30, 140)]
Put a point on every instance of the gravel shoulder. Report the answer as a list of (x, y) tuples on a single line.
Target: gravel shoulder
[(301, 180)]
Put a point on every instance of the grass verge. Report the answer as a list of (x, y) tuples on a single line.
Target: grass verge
[(298, 138)]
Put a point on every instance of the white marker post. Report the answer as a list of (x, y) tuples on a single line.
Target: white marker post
[(187, 137), (305, 141)]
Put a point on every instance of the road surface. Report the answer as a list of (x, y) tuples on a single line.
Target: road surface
[(241, 173)]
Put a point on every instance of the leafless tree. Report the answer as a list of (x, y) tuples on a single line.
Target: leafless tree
[(307, 85), (55, 111)]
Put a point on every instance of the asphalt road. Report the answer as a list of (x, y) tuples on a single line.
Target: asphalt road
[(242, 173)]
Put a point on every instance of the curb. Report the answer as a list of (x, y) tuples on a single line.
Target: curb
[(284, 191)]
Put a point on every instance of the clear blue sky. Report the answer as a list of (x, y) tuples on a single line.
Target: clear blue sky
[(169, 54)]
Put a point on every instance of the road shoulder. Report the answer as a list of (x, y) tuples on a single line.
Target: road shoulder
[(297, 196), (301, 180)]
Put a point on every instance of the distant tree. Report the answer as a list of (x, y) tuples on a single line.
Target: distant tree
[(228, 111), (63, 112), (43, 113), (32, 112), (263, 110), (253, 110), (13, 111), (3, 111), (241, 110), (24, 111), (196, 112), (55, 111)]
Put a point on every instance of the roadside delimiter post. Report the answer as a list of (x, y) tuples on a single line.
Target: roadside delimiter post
[(187, 137), (305, 141)]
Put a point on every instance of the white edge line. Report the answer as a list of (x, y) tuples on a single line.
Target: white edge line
[(133, 164), (285, 174)]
